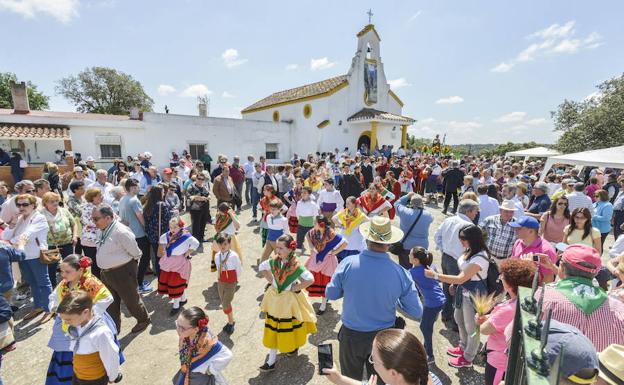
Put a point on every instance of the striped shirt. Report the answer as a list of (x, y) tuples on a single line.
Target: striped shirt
[(500, 236), (605, 326)]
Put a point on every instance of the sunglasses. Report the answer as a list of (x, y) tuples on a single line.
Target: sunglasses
[(30, 191), (580, 217), (22, 204), (95, 219), (562, 204)]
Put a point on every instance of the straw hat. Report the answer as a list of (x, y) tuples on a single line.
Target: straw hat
[(508, 205), (379, 230), (611, 369)]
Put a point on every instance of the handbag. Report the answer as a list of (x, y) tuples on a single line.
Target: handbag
[(397, 247), (7, 338), (50, 256)]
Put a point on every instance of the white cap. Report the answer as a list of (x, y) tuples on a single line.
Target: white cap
[(90, 159)]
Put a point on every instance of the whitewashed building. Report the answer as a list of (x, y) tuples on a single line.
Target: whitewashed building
[(344, 111)]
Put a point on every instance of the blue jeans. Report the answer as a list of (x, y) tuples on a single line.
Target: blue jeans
[(248, 190), (36, 274), (449, 266), (429, 317), (255, 198)]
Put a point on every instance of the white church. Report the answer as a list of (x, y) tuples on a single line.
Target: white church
[(344, 111)]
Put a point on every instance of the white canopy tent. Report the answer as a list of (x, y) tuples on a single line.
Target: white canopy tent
[(537, 152), (607, 157)]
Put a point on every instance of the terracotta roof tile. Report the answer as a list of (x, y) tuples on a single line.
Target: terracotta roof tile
[(70, 115), (302, 92), (370, 113), (33, 131)]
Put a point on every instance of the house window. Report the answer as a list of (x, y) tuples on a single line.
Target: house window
[(276, 116), (110, 151), (307, 111), (197, 150), (271, 151)]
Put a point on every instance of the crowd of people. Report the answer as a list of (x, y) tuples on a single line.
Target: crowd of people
[(332, 226)]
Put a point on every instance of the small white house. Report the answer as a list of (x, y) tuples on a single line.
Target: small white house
[(344, 111)]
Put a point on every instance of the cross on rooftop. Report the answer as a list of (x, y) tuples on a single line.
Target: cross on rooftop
[(370, 15)]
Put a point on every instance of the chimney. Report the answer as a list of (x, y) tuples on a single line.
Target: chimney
[(134, 113), (202, 105), (19, 92)]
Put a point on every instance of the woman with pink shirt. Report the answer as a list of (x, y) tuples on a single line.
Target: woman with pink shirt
[(514, 273), (591, 189), (555, 220)]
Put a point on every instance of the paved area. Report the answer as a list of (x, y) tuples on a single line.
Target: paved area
[(152, 356)]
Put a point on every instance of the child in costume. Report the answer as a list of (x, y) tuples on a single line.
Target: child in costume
[(268, 195), (95, 350), (277, 225), (292, 197), (176, 247), (372, 202), (325, 245), (348, 222), (306, 210), (230, 269), (226, 222), (76, 274), (329, 199), (202, 356), (289, 315)]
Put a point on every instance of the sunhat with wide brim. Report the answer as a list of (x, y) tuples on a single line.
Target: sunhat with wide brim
[(379, 230)]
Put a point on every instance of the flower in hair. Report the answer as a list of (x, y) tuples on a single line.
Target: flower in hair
[(292, 245), (181, 223), (84, 262), (202, 323)]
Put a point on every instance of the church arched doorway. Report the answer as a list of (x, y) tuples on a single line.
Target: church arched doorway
[(365, 138)]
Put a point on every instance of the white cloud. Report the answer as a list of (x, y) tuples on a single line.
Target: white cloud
[(196, 90), (62, 10), (227, 95), (469, 125), (321, 64), (536, 121), (398, 83), (292, 67), (166, 89), (553, 40), (512, 117), (502, 67), (231, 58), (414, 17), (450, 100), (427, 121)]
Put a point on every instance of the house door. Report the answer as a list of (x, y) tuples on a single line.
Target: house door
[(364, 140)]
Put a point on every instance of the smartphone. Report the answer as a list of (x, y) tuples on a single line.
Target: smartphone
[(535, 258), (325, 357)]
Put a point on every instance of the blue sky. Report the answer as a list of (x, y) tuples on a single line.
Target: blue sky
[(479, 71)]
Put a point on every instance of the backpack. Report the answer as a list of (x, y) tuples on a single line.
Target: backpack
[(492, 281)]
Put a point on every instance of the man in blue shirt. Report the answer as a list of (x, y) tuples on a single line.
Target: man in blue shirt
[(415, 215), (368, 307), (8, 255), (540, 202)]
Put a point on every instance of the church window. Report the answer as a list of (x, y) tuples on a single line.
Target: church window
[(307, 111), (271, 151), (276, 116), (369, 51)]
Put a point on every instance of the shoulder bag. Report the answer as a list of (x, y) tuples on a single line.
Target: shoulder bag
[(398, 248), (51, 256)]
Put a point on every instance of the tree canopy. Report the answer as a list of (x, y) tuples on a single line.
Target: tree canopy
[(105, 91), (36, 99), (594, 123)]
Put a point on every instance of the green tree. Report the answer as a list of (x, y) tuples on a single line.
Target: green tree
[(104, 91), (416, 143), (36, 99), (593, 123)]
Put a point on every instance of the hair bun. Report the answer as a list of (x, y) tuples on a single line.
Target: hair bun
[(85, 262)]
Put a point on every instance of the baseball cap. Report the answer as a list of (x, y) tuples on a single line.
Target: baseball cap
[(578, 351), (573, 254), (167, 171), (528, 222)]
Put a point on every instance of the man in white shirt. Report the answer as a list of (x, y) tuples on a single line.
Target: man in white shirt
[(257, 178), (101, 183), (578, 198), (248, 168), (447, 241), (488, 206)]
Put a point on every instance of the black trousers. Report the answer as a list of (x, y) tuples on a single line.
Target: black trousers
[(199, 218), (146, 250), (447, 200), (490, 373), (618, 220), (301, 233), (90, 252), (355, 350), (404, 259)]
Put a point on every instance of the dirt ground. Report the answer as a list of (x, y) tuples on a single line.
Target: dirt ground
[(152, 356)]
